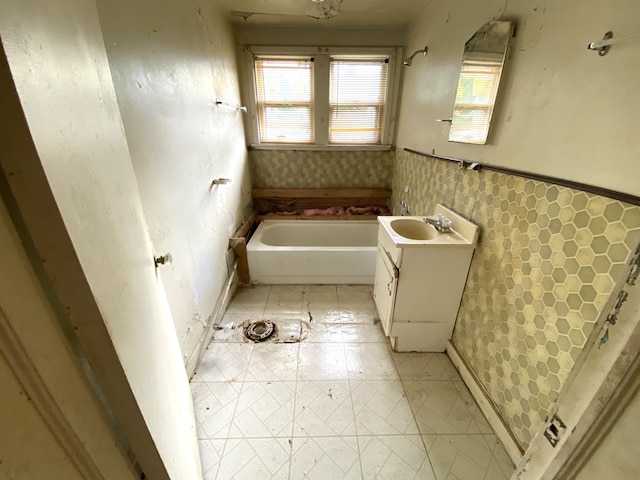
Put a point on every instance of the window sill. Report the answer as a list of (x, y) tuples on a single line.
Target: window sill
[(325, 148)]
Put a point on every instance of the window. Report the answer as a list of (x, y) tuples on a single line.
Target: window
[(357, 94), (337, 98), (284, 100), (477, 90)]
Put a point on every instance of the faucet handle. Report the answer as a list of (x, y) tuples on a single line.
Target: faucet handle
[(446, 223)]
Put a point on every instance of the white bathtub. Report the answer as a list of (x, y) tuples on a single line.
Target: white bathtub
[(313, 252)]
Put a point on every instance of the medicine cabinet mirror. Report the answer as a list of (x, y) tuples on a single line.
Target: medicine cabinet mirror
[(482, 63)]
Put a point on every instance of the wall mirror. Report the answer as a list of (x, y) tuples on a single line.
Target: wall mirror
[(482, 63)]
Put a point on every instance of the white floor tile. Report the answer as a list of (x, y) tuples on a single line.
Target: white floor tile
[(321, 361), (284, 299), (381, 408), (224, 362), (325, 333), (265, 409), (394, 457), (214, 405), (440, 407), (273, 362), (320, 303), (370, 361), (250, 300), (425, 366), (325, 458), (323, 409), (337, 405), (466, 457), (210, 456), (363, 333), (255, 459)]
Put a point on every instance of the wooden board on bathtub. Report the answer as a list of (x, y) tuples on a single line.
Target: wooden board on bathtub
[(278, 199)]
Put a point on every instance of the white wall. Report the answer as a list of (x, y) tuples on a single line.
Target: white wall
[(563, 111), (65, 155), (29, 449), (170, 61), (52, 423), (618, 456)]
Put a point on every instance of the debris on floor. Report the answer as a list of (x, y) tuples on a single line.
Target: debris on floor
[(282, 330)]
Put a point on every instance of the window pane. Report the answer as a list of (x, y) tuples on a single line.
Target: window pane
[(477, 89), (285, 124), (357, 95), (284, 94)]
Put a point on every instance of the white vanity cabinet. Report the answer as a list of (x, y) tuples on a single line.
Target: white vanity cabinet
[(419, 282)]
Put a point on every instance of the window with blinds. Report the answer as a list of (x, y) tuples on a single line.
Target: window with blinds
[(284, 95), (477, 90), (357, 96)]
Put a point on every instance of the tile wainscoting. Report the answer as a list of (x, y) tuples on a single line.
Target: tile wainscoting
[(548, 260), (321, 169)]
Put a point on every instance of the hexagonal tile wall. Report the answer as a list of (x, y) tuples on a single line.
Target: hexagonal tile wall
[(321, 169), (548, 260)]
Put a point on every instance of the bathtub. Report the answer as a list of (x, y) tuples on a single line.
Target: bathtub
[(313, 252)]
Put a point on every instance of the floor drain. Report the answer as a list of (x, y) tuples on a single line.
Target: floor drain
[(260, 330)]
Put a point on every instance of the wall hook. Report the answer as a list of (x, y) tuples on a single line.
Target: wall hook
[(602, 46), (237, 107), (163, 259)]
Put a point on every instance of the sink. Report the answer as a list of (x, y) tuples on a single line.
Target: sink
[(413, 229)]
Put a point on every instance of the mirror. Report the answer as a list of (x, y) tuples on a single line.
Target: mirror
[(482, 62)]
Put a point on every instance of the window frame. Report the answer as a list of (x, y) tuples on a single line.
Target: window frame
[(321, 76)]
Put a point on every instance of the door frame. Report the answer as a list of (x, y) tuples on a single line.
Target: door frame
[(40, 225)]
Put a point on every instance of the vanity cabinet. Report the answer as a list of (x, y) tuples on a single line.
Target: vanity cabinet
[(418, 287), (384, 287)]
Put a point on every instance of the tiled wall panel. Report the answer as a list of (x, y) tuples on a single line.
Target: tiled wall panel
[(547, 262), (321, 169)]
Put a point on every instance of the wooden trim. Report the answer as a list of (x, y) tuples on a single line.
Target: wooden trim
[(605, 192), (275, 200), (12, 349), (613, 409), (239, 246), (487, 406), (246, 226), (238, 243)]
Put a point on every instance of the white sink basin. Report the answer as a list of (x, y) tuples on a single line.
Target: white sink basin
[(414, 232), (414, 229)]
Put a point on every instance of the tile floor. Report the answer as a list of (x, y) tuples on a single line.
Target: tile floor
[(338, 405)]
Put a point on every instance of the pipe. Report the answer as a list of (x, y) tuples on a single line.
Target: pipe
[(408, 61)]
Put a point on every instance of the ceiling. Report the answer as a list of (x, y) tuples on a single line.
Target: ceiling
[(352, 13)]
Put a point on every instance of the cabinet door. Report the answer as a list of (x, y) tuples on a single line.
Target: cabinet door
[(384, 288)]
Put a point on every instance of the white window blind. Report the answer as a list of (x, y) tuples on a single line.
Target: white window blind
[(284, 91), (477, 90), (357, 96)]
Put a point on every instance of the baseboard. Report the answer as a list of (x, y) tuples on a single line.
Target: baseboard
[(486, 405), (214, 319)]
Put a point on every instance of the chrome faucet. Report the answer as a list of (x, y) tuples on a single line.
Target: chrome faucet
[(440, 223)]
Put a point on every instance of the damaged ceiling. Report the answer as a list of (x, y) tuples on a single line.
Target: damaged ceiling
[(324, 13)]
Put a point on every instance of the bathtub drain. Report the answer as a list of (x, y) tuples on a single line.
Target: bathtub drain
[(260, 330)]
